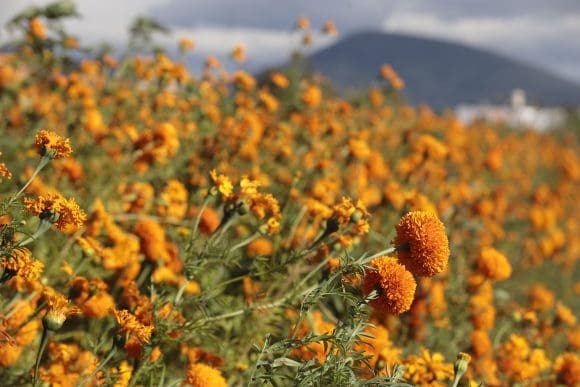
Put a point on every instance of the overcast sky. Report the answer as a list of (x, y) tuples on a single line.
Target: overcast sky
[(541, 32)]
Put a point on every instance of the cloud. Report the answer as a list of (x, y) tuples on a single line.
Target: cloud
[(535, 39), (537, 31)]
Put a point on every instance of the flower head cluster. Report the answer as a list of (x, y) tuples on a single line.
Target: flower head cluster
[(57, 311), (130, 325), (348, 213), (493, 264), (248, 199), (394, 284), (428, 369), (64, 213), (4, 172), (421, 243), (21, 264), (222, 183), (52, 145), (202, 375)]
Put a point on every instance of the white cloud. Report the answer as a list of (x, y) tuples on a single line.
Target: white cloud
[(100, 20), (546, 42), (266, 46)]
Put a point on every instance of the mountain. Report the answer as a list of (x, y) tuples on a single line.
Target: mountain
[(439, 73)]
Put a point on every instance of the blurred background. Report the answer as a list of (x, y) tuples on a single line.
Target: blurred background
[(468, 56)]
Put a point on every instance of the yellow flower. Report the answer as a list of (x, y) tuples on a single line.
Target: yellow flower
[(394, 284), (52, 145), (421, 242), (222, 183), (64, 213), (201, 375)]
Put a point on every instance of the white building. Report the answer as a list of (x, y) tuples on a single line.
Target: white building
[(518, 114)]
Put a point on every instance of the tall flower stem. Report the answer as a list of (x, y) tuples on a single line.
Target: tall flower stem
[(43, 342), (43, 162)]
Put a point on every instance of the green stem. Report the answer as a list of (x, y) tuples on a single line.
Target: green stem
[(245, 242), (39, 354), (380, 254), (44, 160), (43, 227)]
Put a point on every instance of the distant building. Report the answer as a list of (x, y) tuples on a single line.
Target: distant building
[(518, 114)]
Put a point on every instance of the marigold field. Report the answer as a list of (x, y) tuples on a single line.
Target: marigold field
[(160, 228)]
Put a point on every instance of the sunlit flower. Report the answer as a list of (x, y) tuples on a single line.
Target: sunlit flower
[(493, 264), (395, 286), (52, 145), (223, 184), (21, 264), (57, 310), (422, 244), (64, 213), (201, 375), (131, 326)]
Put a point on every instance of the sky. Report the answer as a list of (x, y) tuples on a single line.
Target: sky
[(540, 32)]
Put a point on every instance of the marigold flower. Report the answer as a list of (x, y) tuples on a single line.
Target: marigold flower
[(21, 264), (64, 213), (260, 246), (303, 23), (201, 375), (279, 80), (130, 325), (394, 284), (52, 145), (4, 172), (567, 367), (57, 311), (312, 96), (37, 28), (222, 183), (428, 369), (493, 264), (330, 28), (239, 54), (421, 242)]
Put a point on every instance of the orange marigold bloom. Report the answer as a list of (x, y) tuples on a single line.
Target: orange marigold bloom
[(279, 80), (201, 375), (330, 28), (567, 366), (541, 298), (422, 244), (64, 213), (480, 343), (21, 264), (37, 28), (312, 96), (260, 246), (493, 264), (130, 325), (239, 54), (303, 23), (58, 309), (4, 172), (52, 145), (428, 369), (394, 284)]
